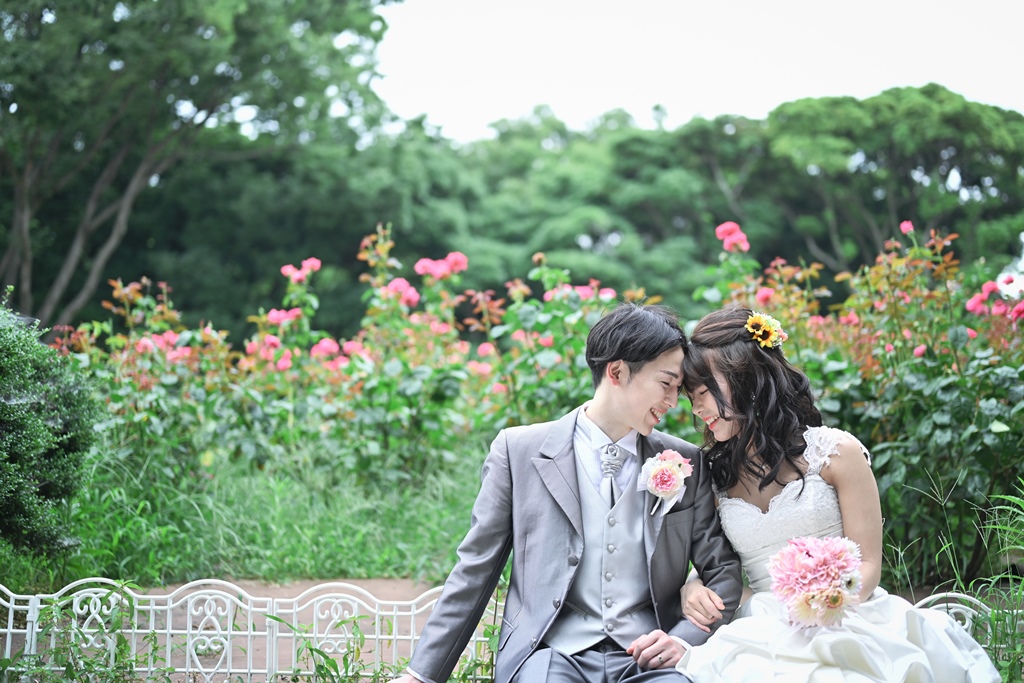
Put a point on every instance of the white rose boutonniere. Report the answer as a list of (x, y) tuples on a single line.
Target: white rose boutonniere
[(664, 475)]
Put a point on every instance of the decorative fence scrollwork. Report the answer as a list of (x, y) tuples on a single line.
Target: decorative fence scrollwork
[(210, 631)]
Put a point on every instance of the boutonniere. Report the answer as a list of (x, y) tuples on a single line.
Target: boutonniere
[(664, 475)]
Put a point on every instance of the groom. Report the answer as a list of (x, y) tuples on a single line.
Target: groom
[(596, 566)]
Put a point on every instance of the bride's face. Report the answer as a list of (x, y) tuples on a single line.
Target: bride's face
[(704, 406)]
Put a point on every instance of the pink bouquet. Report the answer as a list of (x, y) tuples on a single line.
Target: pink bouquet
[(816, 579), (663, 476)]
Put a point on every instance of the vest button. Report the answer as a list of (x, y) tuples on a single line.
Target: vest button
[(609, 627), (608, 576), (573, 560), (608, 602), (611, 521), (557, 603), (533, 642), (611, 548)]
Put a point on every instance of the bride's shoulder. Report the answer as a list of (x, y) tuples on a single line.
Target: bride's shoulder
[(823, 443)]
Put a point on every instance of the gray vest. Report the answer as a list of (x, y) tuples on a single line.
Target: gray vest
[(611, 594)]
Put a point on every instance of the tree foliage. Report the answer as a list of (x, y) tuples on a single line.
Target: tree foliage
[(99, 99)]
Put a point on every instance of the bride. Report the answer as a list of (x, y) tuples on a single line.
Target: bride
[(779, 474)]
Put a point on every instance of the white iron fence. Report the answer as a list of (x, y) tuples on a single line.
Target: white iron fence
[(212, 631)]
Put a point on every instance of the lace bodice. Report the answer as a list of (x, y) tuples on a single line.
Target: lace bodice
[(808, 507)]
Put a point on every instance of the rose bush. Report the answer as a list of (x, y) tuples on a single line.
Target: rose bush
[(926, 367)]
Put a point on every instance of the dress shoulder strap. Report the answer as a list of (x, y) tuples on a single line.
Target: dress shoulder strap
[(822, 444)]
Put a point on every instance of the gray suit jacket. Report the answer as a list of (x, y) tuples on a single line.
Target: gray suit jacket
[(529, 505)]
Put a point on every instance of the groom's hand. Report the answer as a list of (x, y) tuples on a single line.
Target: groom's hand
[(656, 650), (701, 605)]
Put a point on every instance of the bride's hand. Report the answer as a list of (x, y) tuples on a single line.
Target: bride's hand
[(701, 605)]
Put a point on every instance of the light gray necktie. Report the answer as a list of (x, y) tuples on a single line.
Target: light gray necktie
[(611, 461)]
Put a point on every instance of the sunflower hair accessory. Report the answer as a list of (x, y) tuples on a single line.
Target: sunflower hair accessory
[(765, 330)]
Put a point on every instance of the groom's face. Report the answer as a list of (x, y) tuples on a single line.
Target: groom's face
[(648, 394)]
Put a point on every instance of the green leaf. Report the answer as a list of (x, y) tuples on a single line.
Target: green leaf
[(835, 366), (958, 336), (393, 368), (998, 427), (712, 295), (547, 359)]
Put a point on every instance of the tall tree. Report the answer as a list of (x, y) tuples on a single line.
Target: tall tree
[(98, 98), (857, 168)]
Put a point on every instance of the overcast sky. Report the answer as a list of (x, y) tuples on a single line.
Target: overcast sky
[(467, 63)]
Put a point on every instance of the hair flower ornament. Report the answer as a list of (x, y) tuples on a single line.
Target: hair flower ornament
[(766, 330), (664, 475)]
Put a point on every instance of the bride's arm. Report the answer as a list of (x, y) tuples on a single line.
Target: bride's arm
[(701, 605), (850, 475)]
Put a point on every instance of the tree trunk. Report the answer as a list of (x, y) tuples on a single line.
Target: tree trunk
[(147, 168), (90, 221)]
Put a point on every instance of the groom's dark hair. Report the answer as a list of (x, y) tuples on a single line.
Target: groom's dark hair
[(633, 333)]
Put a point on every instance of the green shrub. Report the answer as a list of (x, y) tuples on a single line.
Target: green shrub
[(47, 411)]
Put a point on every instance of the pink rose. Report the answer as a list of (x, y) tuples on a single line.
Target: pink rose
[(764, 295), (311, 264), (478, 368), (906, 227), (353, 348), (178, 354), (397, 286), (457, 261), (337, 363), (736, 243), (920, 350), (485, 349), (727, 229), (585, 292), (145, 345), (976, 305), (889, 348), (410, 297), (546, 341), (324, 347)]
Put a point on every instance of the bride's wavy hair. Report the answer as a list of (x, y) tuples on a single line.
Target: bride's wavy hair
[(772, 403)]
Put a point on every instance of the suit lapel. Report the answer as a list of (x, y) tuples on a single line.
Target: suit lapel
[(649, 447), (556, 465)]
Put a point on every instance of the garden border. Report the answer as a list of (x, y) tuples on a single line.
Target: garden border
[(212, 630)]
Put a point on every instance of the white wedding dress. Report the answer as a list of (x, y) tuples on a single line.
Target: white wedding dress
[(884, 639)]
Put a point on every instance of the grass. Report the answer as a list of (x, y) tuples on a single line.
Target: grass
[(247, 524)]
